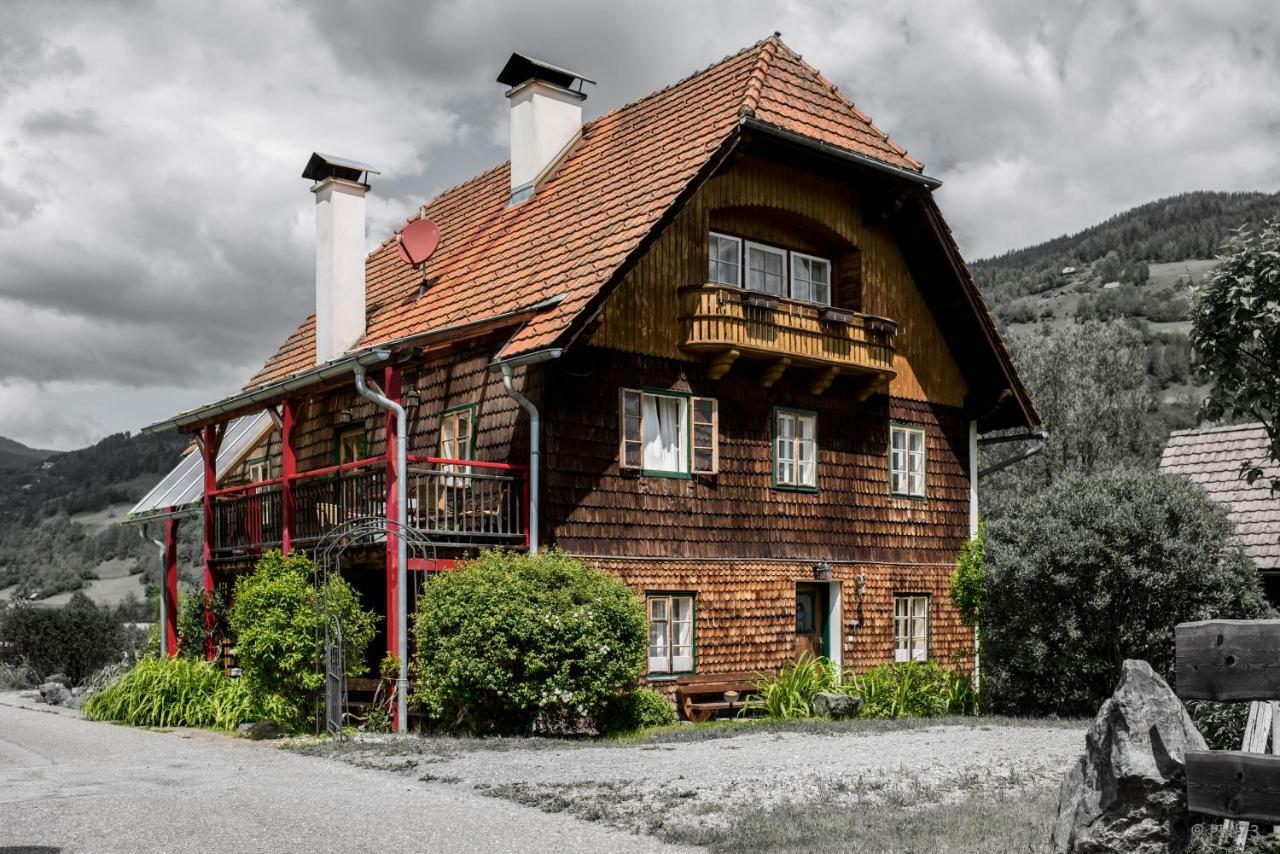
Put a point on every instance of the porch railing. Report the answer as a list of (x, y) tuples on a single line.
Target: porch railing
[(462, 503)]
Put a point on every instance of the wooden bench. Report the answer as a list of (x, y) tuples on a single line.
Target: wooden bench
[(701, 697)]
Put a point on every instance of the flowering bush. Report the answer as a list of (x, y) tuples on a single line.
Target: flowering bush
[(509, 638)]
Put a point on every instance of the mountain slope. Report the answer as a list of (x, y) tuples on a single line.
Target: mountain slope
[(17, 455), (59, 514)]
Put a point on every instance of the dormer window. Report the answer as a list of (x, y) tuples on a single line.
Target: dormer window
[(810, 278), (768, 269), (726, 260)]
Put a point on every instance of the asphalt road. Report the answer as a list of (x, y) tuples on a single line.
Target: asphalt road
[(71, 785)]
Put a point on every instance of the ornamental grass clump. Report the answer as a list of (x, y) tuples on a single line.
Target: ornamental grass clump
[(789, 694), (170, 692), (510, 640), (913, 689)]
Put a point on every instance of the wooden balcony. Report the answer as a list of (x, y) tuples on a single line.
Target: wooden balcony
[(456, 503), (727, 323)]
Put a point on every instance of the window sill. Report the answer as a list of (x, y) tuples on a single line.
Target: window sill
[(908, 496), (675, 475), (782, 487), (668, 677)]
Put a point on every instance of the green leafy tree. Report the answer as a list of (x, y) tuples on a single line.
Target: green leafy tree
[(1099, 569), (969, 580), (509, 639), (1236, 332), (277, 618), (1089, 383)]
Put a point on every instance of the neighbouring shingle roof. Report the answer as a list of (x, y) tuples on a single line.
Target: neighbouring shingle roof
[(1212, 459), (586, 219)]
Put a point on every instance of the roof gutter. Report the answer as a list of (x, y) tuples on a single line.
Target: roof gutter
[(374, 355), (766, 129), (239, 402)]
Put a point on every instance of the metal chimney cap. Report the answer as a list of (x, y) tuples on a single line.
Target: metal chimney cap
[(322, 166), (520, 69)]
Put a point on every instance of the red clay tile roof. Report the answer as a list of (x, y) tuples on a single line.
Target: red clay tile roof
[(594, 211), (1212, 459)]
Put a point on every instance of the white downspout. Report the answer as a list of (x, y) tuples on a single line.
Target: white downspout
[(402, 571), (164, 635), (973, 532), (535, 432)]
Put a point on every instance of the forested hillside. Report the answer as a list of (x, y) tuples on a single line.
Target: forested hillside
[(17, 455), (1098, 325), (59, 511)]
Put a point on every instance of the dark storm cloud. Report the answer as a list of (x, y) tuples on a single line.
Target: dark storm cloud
[(156, 240), (56, 122)]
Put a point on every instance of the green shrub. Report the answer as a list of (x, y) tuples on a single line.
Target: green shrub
[(1099, 569), (171, 692), (789, 694), (913, 689), (16, 677), (639, 709), (1221, 724), (509, 638), (195, 631), (277, 618), (74, 640)]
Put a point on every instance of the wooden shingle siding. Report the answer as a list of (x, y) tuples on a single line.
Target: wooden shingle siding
[(799, 210), (744, 610), (592, 507)]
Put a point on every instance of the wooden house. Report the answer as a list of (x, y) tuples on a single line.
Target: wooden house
[(718, 341)]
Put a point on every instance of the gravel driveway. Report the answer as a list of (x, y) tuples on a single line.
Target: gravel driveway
[(78, 786), (660, 786)]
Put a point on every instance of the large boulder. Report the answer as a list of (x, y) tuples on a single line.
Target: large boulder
[(832, 704), (1127, 793)]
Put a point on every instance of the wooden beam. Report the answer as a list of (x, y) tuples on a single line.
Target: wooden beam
[(722, 364), (1228, 660), (823, 380), (774, 371), (1234, 785)]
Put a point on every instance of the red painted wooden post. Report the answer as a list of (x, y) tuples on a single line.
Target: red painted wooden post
[(288, 471), (391, 388), (169, 587), (211, 436)]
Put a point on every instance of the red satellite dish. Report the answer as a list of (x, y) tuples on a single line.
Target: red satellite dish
[(418, 239)]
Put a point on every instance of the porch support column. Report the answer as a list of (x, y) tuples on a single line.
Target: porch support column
[(288, 471), (169, 585), (210, 438), (391, 388)]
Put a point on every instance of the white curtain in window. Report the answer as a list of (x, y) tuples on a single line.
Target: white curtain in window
[(663, 429), (805, 451)]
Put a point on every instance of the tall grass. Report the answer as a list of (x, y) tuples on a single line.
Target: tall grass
[(180, 692), (911, 689), (789, 694)]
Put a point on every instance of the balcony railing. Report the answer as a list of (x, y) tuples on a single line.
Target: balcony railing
[(456, 503), (733, 322)]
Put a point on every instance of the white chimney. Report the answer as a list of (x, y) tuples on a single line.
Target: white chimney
[(339, 189), (546, 118)]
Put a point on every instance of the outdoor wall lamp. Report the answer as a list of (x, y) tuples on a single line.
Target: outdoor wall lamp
[(822, 571), (412, 398)]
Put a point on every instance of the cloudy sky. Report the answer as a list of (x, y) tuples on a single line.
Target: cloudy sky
[(156, 239)]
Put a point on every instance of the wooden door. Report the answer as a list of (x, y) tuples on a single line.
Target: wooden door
[(811, 619)]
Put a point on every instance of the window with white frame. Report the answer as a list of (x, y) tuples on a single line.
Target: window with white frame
[(810, 278), (457, 434), (795, 449), (670, 632), (906, 460), (766, 269), (725, 256), (256, 470), (910, 628), (655, 431)]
